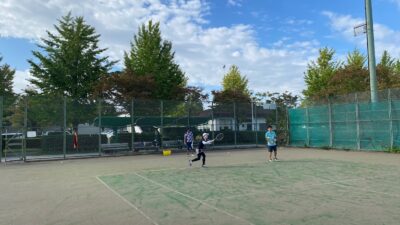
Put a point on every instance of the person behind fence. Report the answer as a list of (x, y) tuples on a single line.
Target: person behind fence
[(200, 149), (188, 140), (270, 136)]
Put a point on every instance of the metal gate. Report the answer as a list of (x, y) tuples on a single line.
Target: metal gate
[(13, 146)]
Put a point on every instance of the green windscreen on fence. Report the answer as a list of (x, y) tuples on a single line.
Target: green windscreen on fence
[(360, 126), (298, 124)]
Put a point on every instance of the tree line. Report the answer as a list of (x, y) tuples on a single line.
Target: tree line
[(70, 63), (327, 77)]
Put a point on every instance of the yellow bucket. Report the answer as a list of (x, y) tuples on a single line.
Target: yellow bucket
[(166, 152)]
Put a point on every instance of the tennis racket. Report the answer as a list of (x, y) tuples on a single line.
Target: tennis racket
[(219, 137)]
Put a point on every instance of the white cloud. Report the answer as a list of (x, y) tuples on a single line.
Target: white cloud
[(385, 38), (397, 2), (298, 22), (200, 51), (21, 80), (237, 3)]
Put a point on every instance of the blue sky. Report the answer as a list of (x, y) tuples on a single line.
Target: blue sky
[(271, 41)]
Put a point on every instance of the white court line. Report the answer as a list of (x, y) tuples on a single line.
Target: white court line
[(195, 199), (310, 187), (177, 168), (127, 202), (142, 170)]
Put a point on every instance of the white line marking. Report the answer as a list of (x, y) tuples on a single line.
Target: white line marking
[(127, 202), (195, 199), (311, 186), (239, 195), (142, 170), (176, 168)]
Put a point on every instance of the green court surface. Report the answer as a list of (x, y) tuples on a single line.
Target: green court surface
[(238, 187), (313, 191)]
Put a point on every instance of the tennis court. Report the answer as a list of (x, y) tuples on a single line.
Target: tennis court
[(238, 187)]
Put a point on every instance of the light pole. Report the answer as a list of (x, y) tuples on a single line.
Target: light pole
[(371, 51)]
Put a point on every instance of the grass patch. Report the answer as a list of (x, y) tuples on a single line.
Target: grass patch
[(394, 149)]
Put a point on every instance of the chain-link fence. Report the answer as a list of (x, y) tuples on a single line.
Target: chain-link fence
[(349, 122), (47, 127)]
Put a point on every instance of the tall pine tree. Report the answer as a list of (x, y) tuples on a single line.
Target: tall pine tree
[(6, 79), (152, 56), (70, 62), (6, 90), (386, 72)]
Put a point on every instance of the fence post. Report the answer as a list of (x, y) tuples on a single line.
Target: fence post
[(277, 128), (162, 122), (64, 126), (256, 125), (25, 129), (287, 126), (188, 112), (358, 123), (330, 123), (234, 123), (308, 128), (1, 127), (276, 117), (252, 115), (212, 120), (99, 118), (390, 119), (133, 125)]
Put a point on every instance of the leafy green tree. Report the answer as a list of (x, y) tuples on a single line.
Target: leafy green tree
[(234, 95), (70, 64), (386, 72), (153, 57), (319, 73), (193, 104), (6, 79), (235, 82), (355, 59), (283, 100), (71, 61), (45, 111), (6, 91), (123, 86), (352, 77), (234, 87), (397, 67), (195, 98)]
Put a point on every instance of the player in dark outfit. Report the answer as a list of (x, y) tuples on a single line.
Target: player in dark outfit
[(200, 149)]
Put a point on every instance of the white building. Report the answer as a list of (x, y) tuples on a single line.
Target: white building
[(219, 124)]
